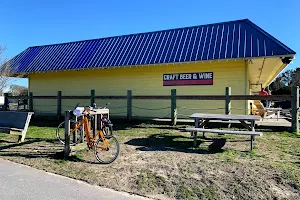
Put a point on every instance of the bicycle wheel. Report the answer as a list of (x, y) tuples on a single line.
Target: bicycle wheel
[(75, 137), (109, 154)]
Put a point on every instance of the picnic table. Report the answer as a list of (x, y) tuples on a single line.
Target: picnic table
[(202, 119)]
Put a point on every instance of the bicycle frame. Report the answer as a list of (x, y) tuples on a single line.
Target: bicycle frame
[(90, 140)]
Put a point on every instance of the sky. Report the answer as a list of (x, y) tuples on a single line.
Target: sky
[(34, 22)]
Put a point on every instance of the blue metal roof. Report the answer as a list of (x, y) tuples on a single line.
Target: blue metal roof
[(227, 40)]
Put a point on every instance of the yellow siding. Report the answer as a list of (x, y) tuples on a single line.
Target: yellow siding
[(143, 81)]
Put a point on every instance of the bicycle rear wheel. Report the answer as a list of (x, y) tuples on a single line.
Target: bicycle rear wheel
[(75, 137), (109, 154)]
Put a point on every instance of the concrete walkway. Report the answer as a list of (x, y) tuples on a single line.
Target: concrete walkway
[(23, 182)]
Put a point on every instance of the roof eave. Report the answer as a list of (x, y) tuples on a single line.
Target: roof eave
[(286, 59)]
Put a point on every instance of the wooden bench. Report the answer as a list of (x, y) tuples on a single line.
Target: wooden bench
[(272, 111), (222, 132), (14, 121)]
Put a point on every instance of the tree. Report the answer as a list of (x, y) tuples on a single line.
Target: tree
[(287, 77), (18, 90), (283, 83), (295, 78), (277, 84), (5, 71)]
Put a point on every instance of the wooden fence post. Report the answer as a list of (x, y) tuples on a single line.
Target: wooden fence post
[(67, 136), (173, 107), (30, 101), (92, 97), (129, 105), (295, 106), (58, 105), (227, 101), (6, 104)]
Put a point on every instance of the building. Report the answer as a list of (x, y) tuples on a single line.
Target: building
[(198, 60)]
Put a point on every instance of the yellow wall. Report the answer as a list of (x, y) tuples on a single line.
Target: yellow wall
[(145, 80)]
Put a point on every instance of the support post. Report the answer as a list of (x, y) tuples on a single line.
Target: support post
[(173, 107), (30, 101), (75, 132), (227, 101), (67, 136), (92, 97), (6, 104), (295, 106), (58, 105), (251, 142), (195, 133), (129, 105), (95, 127)]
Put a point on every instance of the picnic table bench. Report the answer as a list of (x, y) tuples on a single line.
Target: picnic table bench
[(271, 111), (14, 121), (205, 118)]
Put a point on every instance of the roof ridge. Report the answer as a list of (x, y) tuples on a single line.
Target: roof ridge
[(140, 33), (215, 41), (249, 22)]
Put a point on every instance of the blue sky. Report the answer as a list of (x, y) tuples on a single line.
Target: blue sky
[(32, 22)]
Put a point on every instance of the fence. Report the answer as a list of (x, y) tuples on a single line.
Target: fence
[(173, 98)]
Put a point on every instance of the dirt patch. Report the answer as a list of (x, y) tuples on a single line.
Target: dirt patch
[(159, 162)]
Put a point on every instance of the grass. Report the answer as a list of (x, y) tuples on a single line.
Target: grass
[(158, 161)]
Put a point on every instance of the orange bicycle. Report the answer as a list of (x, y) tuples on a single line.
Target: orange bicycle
[(106, 146)]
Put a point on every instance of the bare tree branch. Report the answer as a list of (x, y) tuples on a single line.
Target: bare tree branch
[(18, 90), (5, 71)]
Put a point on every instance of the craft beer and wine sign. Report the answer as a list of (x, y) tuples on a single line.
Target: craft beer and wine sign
[(197, 78)]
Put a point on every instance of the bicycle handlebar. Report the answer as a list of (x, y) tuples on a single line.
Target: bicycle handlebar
[(91, 108)]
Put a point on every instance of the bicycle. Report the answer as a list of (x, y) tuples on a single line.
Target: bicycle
[(78, 137), (100, 142)]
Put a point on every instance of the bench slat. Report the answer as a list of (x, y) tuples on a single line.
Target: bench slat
[(224, 131), (277, 109), (13, 129)]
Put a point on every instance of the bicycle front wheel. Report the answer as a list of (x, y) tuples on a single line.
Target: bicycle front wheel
[(75, 137), (107, 151)]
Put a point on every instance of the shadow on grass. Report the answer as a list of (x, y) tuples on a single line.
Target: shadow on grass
[(168, 142), (15, 144), (6, 141), (57, 156), (32, 151), (55, 152)]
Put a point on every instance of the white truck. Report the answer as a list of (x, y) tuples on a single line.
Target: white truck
[(1, 102)]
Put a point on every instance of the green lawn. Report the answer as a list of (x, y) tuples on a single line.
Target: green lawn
[(159, 161)]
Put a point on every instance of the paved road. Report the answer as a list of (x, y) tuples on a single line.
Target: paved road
[(22, 182)]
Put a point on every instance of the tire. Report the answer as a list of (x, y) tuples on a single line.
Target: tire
[(98, 150), (60, 133)]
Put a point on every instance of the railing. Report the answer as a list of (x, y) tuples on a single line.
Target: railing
[(173, 97)]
